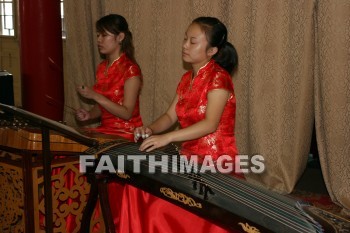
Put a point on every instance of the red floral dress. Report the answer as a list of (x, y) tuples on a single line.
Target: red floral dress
[(111, 86), (110, 83), (191, 108)]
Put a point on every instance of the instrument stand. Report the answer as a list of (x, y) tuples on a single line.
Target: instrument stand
[(47, 178), (46, 125)]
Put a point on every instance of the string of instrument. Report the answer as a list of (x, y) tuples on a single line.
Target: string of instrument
[(229, 201)]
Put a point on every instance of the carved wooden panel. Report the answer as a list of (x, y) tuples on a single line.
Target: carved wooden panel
[(69, 195), (11, 197)]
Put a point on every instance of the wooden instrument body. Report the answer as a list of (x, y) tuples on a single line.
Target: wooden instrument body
[(232, 203), (21, 182), (30, 139)]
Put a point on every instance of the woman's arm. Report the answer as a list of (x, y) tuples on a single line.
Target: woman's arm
[(163, 123), (216, 103), (166, 120), (124, 111)]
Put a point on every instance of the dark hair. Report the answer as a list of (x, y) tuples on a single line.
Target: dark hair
[(116, 24), (216, 33)]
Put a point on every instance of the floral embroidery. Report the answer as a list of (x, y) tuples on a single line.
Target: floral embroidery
[(191, 109), (201, 109), (113, 89)]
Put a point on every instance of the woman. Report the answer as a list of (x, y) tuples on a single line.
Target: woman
[(118, 81), (204, 106), (205, 103), (116, 91)]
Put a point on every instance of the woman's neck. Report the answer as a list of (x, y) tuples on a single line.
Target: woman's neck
[(197, 67), (110, 63), (112, 57)]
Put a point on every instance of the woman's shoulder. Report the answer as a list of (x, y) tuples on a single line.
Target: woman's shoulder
[(131, 68), (217, 69), (185, 79), (102, 63), (187, 74), (220, 78)]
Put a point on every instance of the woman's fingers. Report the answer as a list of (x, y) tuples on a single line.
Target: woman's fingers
[(141, 132), (147, 144)]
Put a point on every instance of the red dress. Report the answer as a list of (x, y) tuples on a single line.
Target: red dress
[(110, 83), (145, 213), (191, 108), (111, 86)]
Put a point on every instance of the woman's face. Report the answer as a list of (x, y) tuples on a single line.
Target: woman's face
[(194, 47), (107, 43)]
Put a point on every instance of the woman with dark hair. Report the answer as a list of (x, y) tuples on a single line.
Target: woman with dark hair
[(205, 106), (115, 93), (205, 102), (118, 81)]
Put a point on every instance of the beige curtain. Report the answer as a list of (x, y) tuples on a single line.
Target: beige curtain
[(274, 88), (81, 55), (293, 68), (332, 97)]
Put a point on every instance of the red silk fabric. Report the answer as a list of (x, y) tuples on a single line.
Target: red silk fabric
[(142, 212), (191, 108), (110, 83)]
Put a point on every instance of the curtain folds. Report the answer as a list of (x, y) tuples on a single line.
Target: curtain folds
[(332, 97), (274, 89), (294, 69)]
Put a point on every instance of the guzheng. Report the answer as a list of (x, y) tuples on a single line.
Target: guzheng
[(225, 200)]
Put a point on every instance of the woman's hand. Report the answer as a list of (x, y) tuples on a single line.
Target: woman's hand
[(82, 115), (86, 92), (143, 132), (154, 142)]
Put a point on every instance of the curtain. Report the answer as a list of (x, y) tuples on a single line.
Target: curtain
[(274, 88), (81, 55), (293, 71), (332, 97)]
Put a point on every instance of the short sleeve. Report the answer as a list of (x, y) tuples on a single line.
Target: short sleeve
[(221, 80), (133, 71)]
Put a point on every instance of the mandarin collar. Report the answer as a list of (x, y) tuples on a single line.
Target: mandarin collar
[(204, 67)]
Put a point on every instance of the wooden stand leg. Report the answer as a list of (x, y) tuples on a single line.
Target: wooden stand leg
[(90, 206), (98, 190), (105, 206)]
